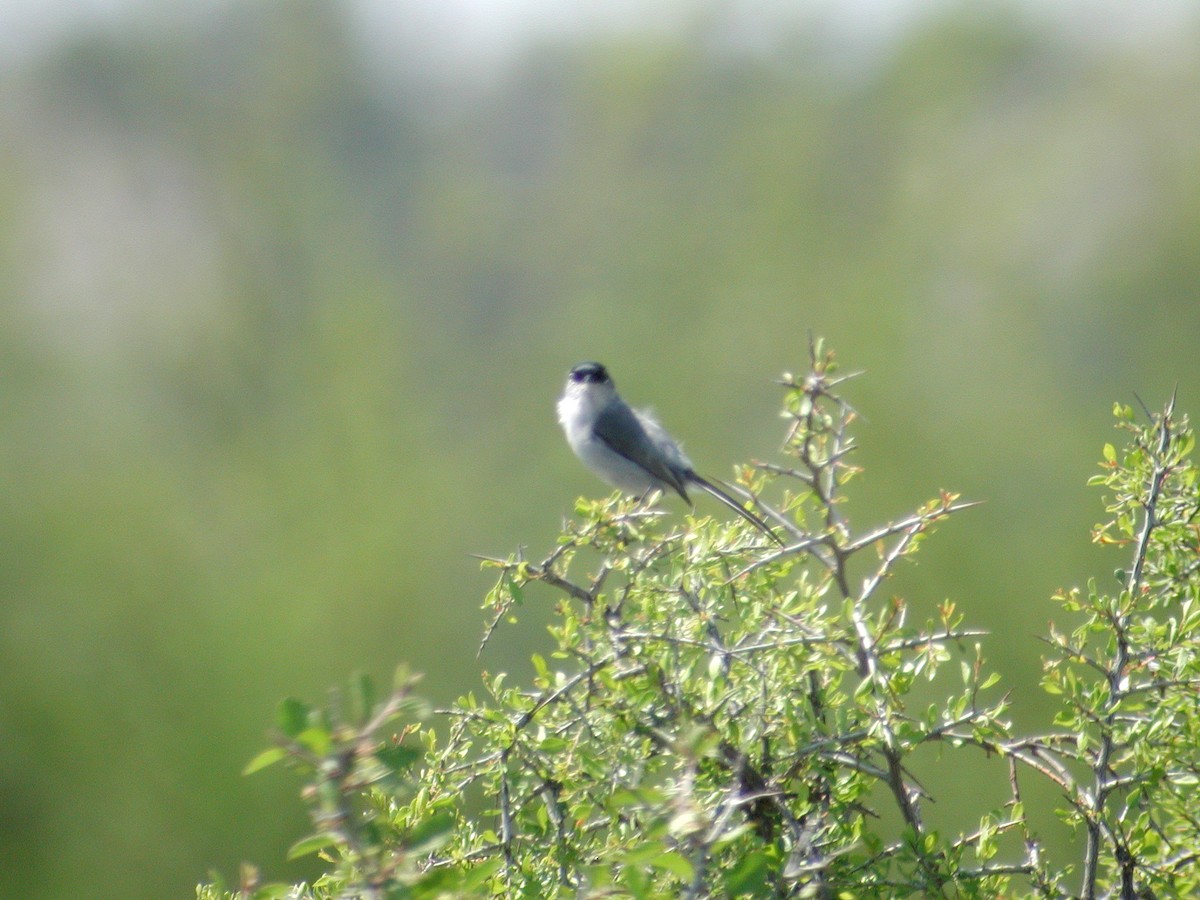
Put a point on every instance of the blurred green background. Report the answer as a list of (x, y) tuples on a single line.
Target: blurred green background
[(288, 290)]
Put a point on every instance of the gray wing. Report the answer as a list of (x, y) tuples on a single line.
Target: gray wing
[(623, 432)]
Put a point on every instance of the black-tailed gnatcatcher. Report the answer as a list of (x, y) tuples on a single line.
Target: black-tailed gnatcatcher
[(629, 449)]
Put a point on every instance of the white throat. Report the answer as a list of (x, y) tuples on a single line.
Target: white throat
[(578, 408)]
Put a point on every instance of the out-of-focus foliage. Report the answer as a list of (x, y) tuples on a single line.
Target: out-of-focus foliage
[(281, 328)]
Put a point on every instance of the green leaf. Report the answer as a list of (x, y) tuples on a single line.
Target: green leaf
[(478, 875), (675, 863), (276, 891), (431, 834), (748, 876), (643, 854), (1187, 443), (397, 757), (292, 716), (316, 739), (623, 797), (268, 757), (310, 845)]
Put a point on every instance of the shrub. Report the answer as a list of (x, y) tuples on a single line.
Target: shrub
[(719, 716)]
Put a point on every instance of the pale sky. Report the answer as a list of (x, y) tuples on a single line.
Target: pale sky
[(483, 31)]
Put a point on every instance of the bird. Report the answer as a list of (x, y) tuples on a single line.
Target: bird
[(630, 449)]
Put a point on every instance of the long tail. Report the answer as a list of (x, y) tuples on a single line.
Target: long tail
[(735, 506)]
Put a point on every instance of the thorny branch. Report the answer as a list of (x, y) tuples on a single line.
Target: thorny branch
[(759, 783)]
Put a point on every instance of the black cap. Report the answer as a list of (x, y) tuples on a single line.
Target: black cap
[(589, 373)]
